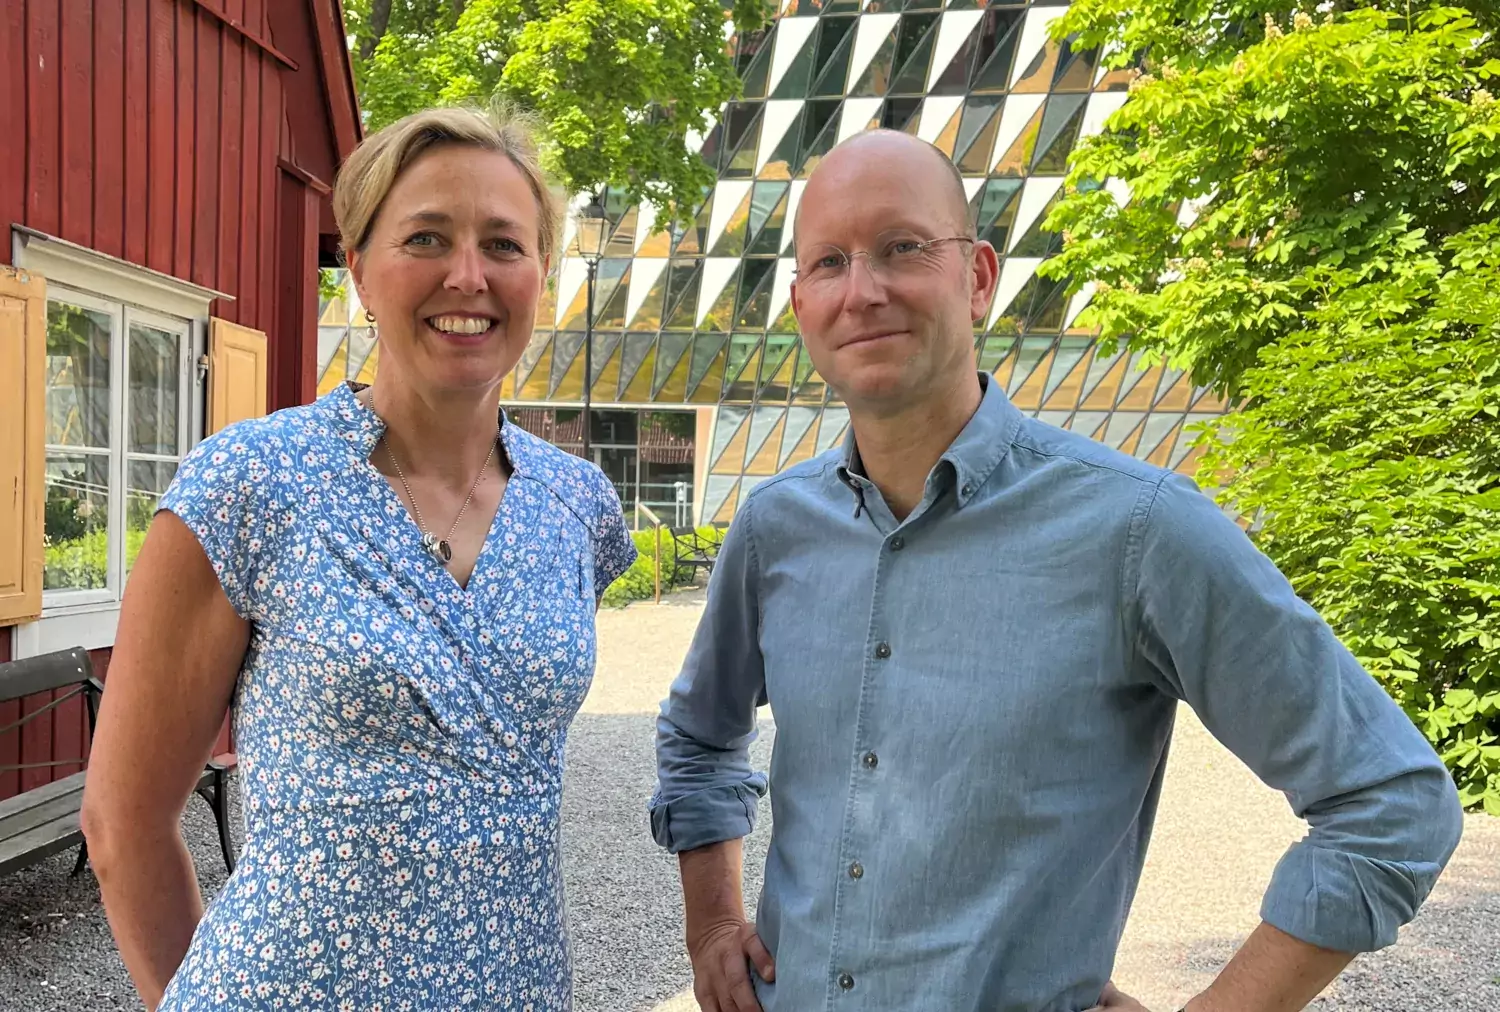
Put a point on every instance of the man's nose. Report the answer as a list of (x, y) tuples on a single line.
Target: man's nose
[(862, 282)]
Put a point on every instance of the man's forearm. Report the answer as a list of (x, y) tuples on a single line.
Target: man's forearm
[(1272, 972), (711, 890)]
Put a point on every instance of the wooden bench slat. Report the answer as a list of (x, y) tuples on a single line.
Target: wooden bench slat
[(39, 843), (40, 814), (19, 679), (46, 820), (40, 795)]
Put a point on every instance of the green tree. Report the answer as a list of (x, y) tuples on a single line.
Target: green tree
[(619, 85), (1310, 229)]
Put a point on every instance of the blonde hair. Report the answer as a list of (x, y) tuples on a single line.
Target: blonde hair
[(365, 180)]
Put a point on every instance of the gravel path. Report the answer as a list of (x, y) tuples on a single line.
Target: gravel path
[(1219, 834)]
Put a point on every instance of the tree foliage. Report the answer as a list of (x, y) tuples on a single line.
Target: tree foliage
[(1310, 229), (620, 86)]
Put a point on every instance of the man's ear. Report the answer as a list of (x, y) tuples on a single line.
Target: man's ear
[(986, 277)]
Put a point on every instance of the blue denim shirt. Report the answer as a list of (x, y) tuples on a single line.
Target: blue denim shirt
[(973, 708)]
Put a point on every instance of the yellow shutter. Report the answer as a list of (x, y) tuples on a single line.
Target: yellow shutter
[(236, 374), (23, 493)]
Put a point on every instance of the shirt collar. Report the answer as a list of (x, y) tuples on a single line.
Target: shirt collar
[(362, 427), (973, 455)]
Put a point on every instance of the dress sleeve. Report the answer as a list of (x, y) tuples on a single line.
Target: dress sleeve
[(221, 491), (614, 548)]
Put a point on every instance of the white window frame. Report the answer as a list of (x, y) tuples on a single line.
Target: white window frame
[(128, 293)]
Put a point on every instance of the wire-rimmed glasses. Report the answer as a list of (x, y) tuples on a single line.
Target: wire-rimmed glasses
[(827, 266)]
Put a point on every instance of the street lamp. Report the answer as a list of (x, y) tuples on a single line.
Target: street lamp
[(591, 227)]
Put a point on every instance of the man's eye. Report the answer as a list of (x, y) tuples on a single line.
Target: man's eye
[(904, 247), (832, 261)]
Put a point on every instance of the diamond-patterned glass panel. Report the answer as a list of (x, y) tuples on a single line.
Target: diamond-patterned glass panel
[(701, 315)]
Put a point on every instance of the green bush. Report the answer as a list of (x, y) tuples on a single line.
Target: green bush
[(83, 562), (1311, 229), (638, 583)]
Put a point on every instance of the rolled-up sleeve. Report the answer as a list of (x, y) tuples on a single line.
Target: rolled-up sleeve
[(706, 791), (1221, 626)]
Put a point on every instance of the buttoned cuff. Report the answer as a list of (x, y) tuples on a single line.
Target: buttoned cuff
[(706, 817), (1344, 901)]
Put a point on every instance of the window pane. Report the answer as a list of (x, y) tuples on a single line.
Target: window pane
[(146, 480), (154, 371), (77, 376), (77, 522)]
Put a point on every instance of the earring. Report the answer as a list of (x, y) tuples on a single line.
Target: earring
[(369, 317)]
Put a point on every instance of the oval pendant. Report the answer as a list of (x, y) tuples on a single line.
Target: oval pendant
[(445, 553), (430, 545)]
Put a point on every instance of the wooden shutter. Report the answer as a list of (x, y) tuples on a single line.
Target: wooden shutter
[(236, 374), (23, 493)]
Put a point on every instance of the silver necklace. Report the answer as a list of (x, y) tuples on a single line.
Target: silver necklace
[(438, 549)]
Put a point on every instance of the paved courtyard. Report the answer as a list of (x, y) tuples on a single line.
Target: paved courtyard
[(1218, 837)]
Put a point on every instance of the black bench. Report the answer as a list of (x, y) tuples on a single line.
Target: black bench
[(44, 821), (691, 552)]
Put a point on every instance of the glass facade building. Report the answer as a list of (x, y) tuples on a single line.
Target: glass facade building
[(699, 318)]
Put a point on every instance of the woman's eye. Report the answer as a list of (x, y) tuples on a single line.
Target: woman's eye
[(423, 239), (506, 246)]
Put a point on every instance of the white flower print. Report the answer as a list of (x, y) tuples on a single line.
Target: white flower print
[(386, 813)]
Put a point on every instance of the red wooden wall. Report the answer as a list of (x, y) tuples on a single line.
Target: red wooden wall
[(58, 736), (154, 131), (197, 138)]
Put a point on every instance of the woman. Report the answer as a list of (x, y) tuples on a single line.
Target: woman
[(397, 588)]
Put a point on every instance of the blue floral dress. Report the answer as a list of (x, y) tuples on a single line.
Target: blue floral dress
[(400, 737)]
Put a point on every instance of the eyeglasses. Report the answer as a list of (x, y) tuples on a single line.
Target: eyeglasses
[(827, 266)]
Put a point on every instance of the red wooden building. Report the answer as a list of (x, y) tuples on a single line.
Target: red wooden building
[(164, 182)]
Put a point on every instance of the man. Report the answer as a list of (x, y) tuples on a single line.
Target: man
[(973, 630)]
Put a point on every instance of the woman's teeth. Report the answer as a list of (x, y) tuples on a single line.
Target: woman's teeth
[(460, 324)]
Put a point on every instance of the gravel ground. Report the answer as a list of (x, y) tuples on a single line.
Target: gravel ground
[(1218, 836)]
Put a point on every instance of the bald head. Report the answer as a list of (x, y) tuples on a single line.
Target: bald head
[(890, 157)]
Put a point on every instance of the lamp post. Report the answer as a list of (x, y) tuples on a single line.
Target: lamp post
[(591, 227)]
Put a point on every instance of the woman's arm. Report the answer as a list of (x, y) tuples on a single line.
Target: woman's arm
[(176, 657)]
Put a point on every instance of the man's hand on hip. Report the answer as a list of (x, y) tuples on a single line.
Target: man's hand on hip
[(1114, 998), (721, 977)]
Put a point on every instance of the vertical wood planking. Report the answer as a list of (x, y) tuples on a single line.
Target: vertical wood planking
[(43, 118), (161, 125), (10, 749), (255, 17), (100, 660), (13, 165), (250, 296), (10, 741), (68, 722), (231, 148), (270, 139), (76, 72), (137, 160), (36, 741), (186, 47), (112, 124), (205, 266)]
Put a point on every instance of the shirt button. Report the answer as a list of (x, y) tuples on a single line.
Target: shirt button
[(967, 490), (882, 650), (856, 870), (846, 982), (898, 543), (871, 760)]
